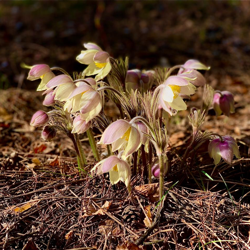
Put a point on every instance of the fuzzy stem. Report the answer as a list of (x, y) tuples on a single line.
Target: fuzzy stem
[(62, 70), (172, 69), (93, 144), (81, 161), (150, 154), (144, 160), (161, 179), (135, 154)]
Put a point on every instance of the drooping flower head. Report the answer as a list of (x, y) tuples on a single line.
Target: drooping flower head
[(171, 92), (118, 169), (86, 99), (122, 136), (98, 61), (48, 133), (223, 102), (225, 149), (63, 86), (43, 72), (193, 64)]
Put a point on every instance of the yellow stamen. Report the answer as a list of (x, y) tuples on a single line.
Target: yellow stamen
[(126, 135), (100, 65), (115, 168), (176, 90)]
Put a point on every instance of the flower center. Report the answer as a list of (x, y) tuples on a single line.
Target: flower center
[(176, 90), (100, 65), (115, 168), (126, 134)]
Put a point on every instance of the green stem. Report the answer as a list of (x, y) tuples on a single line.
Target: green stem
[(93, 144), (81, 161)]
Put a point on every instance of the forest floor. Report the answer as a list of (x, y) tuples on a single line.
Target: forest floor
[(46, 204)]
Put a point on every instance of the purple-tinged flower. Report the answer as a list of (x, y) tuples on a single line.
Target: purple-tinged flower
[(48, 133), (43, 72), (123, 136), (40, 118), (194, 77), (63, 86), (143, 130), (135, 79), (118, 169), (156, 170), (193, 64), (225, 149), (223, 102), (49, 99), (171, 92), (80, 125), (98, 61)]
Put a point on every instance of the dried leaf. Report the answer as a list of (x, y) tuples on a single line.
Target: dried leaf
[(128, 246), (25, 207), (69, 235), (149, 190), (91, 210), (40, 149), (148, 219), (36, 161), (106, 227)]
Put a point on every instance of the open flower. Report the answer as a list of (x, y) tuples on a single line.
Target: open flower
[(193, 64), (63, 86), (97, 60), (223, 102), (43, 72), (123, 136), (171, 92), (118, 169), (225, 149)]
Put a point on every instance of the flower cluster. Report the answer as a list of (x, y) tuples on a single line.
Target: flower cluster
[(146, 99)]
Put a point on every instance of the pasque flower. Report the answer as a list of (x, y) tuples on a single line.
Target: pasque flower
[(49, 99), (80, 125), (40, 118), (225, 149), (86, 99), (43, 72), (118, 169), (171, 92), (48, 133), (223, 102), (63, 86), (193, 64), (97, 60), (123, 136)]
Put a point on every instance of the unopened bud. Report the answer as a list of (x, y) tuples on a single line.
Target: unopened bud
[(156, 170), (223, 102), (40, 118), (48, 133)]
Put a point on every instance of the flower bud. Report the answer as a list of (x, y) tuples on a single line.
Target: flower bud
[(156, 170), (48, 133), (80, 125), (223, 102), (37, 71), (40, 118), (49, 99), (132, 79), (225, 149)]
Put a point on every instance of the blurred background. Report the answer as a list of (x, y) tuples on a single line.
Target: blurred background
[(152, 33)]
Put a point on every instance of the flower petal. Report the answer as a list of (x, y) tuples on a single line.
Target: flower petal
[(45, 79), (104, 72), (58, 80), (109, 163), (134, 141), (91, 46), (86, 56), (63, 91), (114, 131)]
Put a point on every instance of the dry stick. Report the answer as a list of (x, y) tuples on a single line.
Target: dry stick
[(156, 220), (116, 220)]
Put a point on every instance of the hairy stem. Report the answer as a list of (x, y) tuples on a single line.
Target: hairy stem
[(92, 143), (161, 179)]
